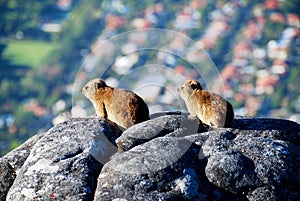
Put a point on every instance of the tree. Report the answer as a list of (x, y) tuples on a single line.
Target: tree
[(18, 16)]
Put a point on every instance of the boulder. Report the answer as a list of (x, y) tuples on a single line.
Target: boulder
[(170, 157), (165, 168), (11, 163), (158, 127), (7, 177), (66, 161), (256, 159)]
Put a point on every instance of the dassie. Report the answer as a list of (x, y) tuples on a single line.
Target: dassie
[(209, 107), (121, 106)]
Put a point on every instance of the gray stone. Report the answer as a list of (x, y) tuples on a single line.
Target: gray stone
[(284, 129), (161, 169), (244, 161), (17, 157), (170, 157), (251, 162), (264, 193), (11, 163), (158, 127), (7, 177), (65, 163), (232, 171)]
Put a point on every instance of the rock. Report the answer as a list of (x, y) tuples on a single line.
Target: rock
[(12, 162), (263, 193), (246, 162), (64, 164), (276, 128), (7, 177), (157, 127), (251, 162), (165, 168), (170, 157), (17, 157)]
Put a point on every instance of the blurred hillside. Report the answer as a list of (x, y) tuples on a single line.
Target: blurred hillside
[(46, 45)]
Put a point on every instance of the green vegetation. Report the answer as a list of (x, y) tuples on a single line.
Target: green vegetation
[(21, 15), (35, 67), (291, 6), (28, 53), (82, 27)]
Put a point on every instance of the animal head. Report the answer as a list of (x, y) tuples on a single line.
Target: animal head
[(188, 88), (92, 86)]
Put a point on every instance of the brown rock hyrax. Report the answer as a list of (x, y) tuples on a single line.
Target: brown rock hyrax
[(121, 106), (209, 107)]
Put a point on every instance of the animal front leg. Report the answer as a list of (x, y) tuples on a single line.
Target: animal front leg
[(101, 111)]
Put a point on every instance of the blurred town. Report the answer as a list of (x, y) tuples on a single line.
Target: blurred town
[(246, 50)]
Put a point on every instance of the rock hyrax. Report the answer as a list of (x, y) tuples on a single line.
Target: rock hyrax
[(121, 106), (209, 107)]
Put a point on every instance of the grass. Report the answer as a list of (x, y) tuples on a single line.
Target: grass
[(29, 53)]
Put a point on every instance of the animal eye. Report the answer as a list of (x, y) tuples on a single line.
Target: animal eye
[(86, 87)]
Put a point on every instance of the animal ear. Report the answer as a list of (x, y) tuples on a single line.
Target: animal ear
[(194, 86), (99, 85)]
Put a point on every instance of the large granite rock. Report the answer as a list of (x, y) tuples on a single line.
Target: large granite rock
[(66, 161), (171, 157), (11, 163), (7, 177), (161, 126)]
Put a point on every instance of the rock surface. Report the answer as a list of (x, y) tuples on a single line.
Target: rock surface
[(11, 163), (178, 125), (7, 177), (65, 162), (170, 157)]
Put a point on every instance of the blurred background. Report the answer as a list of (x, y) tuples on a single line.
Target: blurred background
[(50, 48)]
